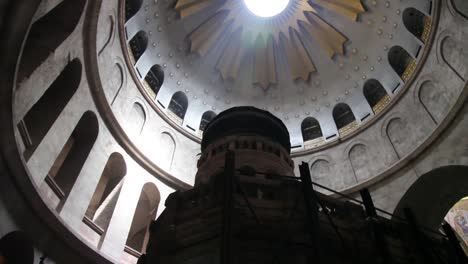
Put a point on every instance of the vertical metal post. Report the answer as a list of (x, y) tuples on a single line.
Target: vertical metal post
[(379, 235), (368, 203), (311, 205), (226, 236), (461, 257)]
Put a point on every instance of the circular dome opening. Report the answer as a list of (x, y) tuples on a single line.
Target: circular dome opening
[(266, 8)]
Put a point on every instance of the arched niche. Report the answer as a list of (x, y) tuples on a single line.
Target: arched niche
[(138, 45), (68, 164), (107, 29), (154, 79), (344, 119), (399, 136), (321, 171), (145, 212), (310, 129), (401, 62), (461, 6), (131, 8), (43, 114), (178, 106), (167, 147), (433, 194), (417, 23), (105, 196), (376, 95), (137, 118), (455, 54), (16, 247), (47, 33), (205, 119), (116, 82), (434, 99), (361, 162)]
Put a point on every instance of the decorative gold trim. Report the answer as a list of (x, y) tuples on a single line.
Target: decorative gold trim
[(346, 130), (309, 144), (382, 104), (174, 117), (410, 68), (427, 29)]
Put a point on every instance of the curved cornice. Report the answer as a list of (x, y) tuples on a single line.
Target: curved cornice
[(105, 111)]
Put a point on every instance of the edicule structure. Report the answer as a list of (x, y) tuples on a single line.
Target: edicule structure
[(247, 207)]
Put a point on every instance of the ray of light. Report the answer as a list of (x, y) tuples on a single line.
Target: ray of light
[(204, 38), (265, 67), (230, 60)]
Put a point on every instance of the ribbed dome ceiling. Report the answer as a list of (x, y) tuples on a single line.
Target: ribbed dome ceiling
[(314, 59)]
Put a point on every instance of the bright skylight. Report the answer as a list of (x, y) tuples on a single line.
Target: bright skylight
[(266, 8)]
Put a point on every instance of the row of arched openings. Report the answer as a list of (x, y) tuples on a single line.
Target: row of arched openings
[(179, 104), (65, 170), (48, 33), (154, 78), (418, 24), (138, 44), (399, 59), (343, 116)]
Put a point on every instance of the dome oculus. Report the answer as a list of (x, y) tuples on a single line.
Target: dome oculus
[(266, 8), (246, 34)]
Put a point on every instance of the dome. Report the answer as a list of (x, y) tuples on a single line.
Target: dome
[(342, 64), (104, 107)]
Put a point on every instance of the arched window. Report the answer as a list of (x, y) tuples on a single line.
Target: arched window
[(43, 114), (155, 79), (344, 118), (178, 105), (48, 33), (138, 44), (310, 128), (402, 63), (375, 95), (206, 118), (461, 7), (145, 212), (131, 8), (107, 191), (417, 23), (167, 150), (70, 160), (16, 247)]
